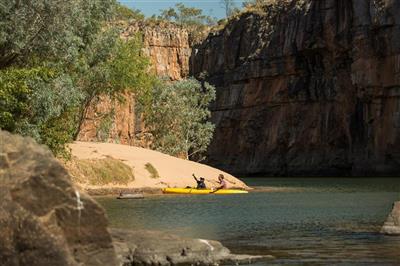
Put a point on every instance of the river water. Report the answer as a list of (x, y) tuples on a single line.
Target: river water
[(316, 221)]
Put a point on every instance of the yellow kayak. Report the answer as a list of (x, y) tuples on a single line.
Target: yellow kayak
[(202, 191)]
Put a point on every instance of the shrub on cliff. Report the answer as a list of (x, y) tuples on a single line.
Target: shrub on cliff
[(126, 13), (178, 117), (191, 18)]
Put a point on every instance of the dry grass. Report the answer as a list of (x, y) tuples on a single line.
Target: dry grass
[(152, 170), (100, 171)]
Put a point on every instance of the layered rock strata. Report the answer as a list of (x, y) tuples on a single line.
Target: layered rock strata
[(306, 87)]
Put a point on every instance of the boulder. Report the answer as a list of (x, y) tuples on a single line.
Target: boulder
[(44, 220), (392, 224), (159, 248)]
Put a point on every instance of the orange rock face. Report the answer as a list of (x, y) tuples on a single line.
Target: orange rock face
[(167, 46), (116, 121), (308, 87)]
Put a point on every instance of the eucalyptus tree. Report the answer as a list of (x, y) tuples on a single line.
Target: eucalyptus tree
[(178, 117), (55, 29), (186, 16), (229, 6)]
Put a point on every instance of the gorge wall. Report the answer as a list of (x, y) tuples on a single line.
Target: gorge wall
[(167, 46), (307, 87)]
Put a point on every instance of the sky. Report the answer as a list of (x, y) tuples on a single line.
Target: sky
[(149, 7)]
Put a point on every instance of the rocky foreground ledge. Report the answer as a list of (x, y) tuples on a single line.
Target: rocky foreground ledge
[(45, 220), (159, 248), (392, 224)]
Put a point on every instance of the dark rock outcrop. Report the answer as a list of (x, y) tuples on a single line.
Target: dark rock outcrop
[(392, 224), (157, 248), (307, 87), (44, 220)]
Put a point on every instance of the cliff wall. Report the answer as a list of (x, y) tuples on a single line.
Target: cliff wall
[(308, 87), (167, 46)]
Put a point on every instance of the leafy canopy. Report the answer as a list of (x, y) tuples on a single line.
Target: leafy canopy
[(229, 6), (184, 15), (55, 57), (126, 13), (53, 30), (32, 100), (178, 117)]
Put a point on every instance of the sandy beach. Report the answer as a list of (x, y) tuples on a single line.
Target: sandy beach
[(172, 171)]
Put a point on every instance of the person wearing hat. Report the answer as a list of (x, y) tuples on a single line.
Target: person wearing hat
[(200, 182)]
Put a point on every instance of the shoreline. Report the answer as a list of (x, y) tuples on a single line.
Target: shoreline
[(150, 191), (114, 191), (109, 168)]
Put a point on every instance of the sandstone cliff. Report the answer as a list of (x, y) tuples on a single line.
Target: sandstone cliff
[(166, 44), (168, 47), (308, 87)]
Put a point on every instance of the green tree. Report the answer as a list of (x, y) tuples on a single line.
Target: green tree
[(178, 117), (55, 57), (125, 70), (49, 29), (186, 16), (32, 100), (229, 6), (123, 12)]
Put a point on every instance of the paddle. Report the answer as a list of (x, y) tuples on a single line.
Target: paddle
[(212, 192)]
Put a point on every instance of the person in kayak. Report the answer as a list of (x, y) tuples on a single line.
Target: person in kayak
[(200, 183), (222, 183)]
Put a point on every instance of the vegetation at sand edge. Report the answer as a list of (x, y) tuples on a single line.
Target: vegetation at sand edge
[(100, 172)]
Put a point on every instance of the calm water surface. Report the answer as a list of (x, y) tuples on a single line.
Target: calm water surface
[(319, 221)]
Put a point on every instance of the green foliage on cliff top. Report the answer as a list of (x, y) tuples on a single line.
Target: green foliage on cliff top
[(191, 18), (184, 15), (126, 13)]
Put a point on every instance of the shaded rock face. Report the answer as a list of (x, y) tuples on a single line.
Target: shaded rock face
[(167, 46), (43, 219), (392, 224), (309, 87)]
